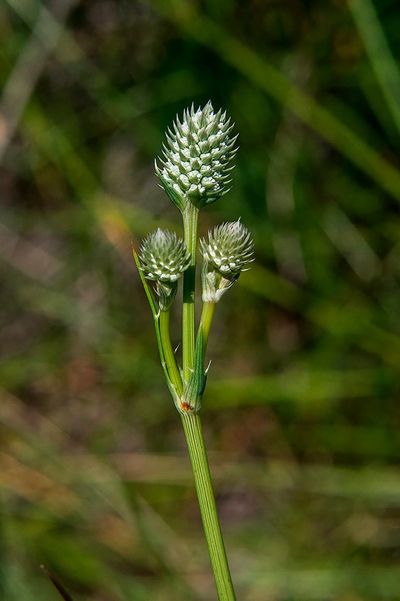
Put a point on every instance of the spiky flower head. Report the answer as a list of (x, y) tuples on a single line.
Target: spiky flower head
[(197, 158), (229, 248), (226, 253), (163, 256)]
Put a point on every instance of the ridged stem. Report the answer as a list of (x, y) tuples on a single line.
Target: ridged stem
[(192, 424), (190, 218), (205, 494)]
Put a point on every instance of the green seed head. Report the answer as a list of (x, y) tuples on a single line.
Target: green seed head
[(163, 256), (229, 249), (197, 158)]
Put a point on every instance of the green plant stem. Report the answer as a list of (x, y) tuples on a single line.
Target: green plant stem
[(207, 315), (169, 355), (191, 422), (190, 219), (205, 494)]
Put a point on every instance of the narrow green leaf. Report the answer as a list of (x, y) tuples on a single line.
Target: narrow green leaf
[(57, 585), (149, 294)]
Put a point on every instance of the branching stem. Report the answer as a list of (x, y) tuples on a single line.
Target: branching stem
[(192, 424)]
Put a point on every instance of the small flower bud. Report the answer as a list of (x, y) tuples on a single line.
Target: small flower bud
[(197, 159), (226, 253), (229, 248), (163, 258)]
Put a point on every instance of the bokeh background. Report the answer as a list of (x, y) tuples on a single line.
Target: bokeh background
[(301, 413)]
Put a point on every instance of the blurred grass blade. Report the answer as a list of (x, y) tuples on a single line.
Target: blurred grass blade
[(379, 54), (31, 62), (57, 585), (268, 78)]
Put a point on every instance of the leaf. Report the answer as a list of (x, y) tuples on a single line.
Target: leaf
[(149, 294), (57, 585)]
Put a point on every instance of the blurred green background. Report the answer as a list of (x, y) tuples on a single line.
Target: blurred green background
[(301, 413)]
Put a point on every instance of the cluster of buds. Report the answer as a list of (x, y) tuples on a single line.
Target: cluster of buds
[(194, 171)]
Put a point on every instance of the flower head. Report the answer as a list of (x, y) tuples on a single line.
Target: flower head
[(229, 249), (197, 158), (163, 256)]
